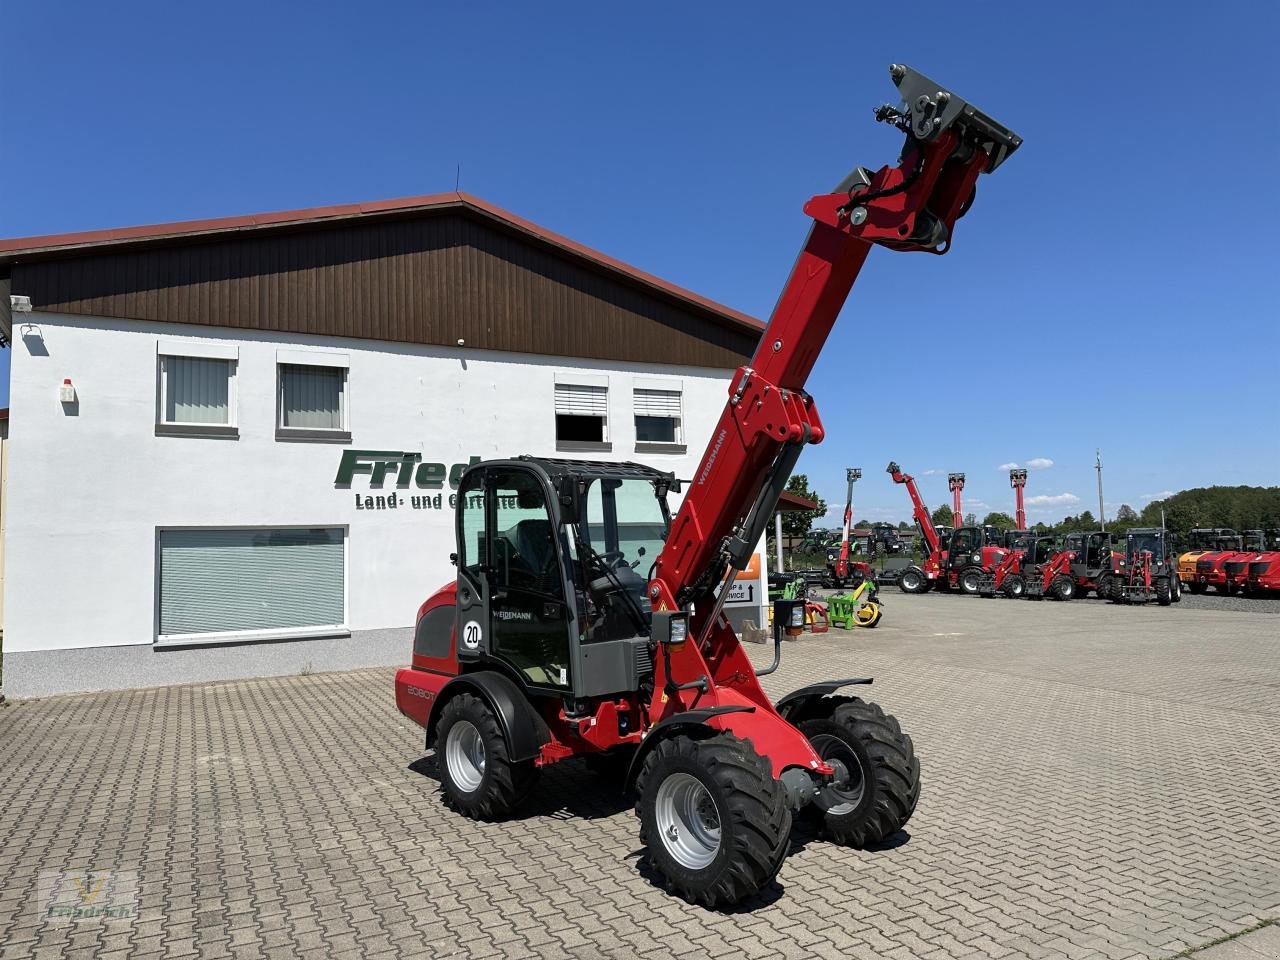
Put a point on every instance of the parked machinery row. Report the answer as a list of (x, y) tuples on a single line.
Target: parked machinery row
[(1228, 562), (984, 560)]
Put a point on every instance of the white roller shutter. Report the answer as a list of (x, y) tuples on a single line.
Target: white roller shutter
[(575, 400), (233, 581), (657, 403)]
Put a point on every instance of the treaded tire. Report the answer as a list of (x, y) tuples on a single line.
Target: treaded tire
[(755, 820), (968, 580), (1176, 583), (1014, 586), (503, 784), (1164, 592), (889, 767), (913, 581), (1104, 587), (1062, 588)]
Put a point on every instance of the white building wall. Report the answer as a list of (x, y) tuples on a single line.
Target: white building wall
[(90, 483)]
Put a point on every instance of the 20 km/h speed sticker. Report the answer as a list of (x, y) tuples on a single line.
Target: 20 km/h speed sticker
[(471, 635)]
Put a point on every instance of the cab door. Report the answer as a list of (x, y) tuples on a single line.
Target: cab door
[(511, 581), (530, 621)]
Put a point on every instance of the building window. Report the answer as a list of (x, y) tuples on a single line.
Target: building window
[(197, 396), (313, 403), (658, 417), (582, 416), (233, 584)]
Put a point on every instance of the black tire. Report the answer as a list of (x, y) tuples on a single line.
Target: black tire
[(1014, 586), (1176, 583), (1062, 588), (754, 820), (1164, 592), (501, 784), (1103, 588), (1195, 587), (913, 580), (968, 580), (859, 733)]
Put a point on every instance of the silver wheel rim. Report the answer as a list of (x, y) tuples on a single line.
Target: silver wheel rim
[(464, 755), (845, 798), (910, 580), (969, 583), (688, 821)]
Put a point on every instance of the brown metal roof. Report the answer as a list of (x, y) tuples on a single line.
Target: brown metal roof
[(62, 245), (789, 502)]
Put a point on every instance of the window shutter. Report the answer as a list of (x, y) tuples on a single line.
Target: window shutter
[(657, 403), (216, 581), (582, 401)]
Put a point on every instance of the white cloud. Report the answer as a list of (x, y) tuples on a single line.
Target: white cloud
[(1035, 463), (1053, 500), (1162, 495), (930, 473)]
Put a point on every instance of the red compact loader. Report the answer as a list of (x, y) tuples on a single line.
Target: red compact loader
[(560, 639), (960, 561)]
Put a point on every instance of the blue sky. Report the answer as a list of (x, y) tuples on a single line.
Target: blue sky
[(1115, 286)]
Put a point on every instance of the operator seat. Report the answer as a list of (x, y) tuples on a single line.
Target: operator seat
[(537, 549)]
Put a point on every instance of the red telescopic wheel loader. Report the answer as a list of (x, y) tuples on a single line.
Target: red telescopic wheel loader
[(554, 643), (960, 560)]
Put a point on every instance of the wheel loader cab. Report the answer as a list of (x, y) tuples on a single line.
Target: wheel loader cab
[(553, 561)]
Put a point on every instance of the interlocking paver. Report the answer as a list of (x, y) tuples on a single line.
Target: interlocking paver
[(1099, 782)]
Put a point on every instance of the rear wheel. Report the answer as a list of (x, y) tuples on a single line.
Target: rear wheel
[(1062, 588), (1014, 586), (715, 822), (969, 580), (477, 776), (1164, 592), (1176, 583), (913, 580), (1104, 587), (882, 786)]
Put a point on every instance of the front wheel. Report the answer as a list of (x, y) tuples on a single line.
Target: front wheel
[(477, 776), (913, 580), (1063, 588), (1176, 584), (1164, 592), (715, 821), (1014, 586), (882, 782), (969, 580)]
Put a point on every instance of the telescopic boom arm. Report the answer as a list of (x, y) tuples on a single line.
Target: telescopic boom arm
[(851, 474), (769, 418), (918, 510)]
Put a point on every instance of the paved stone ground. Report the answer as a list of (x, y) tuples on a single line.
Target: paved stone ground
[(1099, 782)]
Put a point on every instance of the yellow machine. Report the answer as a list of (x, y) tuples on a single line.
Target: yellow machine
[(859, 608)]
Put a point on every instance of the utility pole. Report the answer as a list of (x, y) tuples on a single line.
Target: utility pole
[(1102, 509)]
